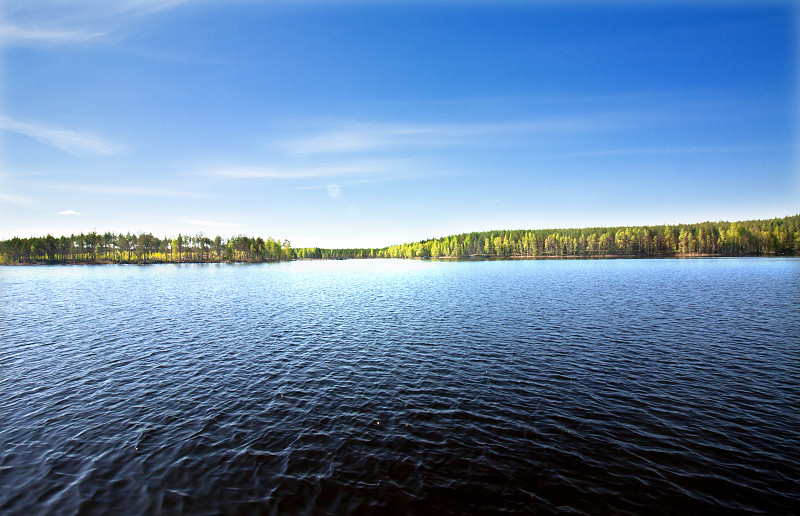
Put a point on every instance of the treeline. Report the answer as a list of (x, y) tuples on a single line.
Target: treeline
[(143, 248), (777, 236), (319, 253), (780, 236), (146, 248)]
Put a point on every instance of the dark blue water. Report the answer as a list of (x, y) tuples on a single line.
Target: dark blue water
[(614, 386)]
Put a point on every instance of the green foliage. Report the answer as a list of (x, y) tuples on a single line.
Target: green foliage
[(779, 236), (754, 237)]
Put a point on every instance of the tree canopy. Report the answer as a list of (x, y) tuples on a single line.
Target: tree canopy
[(779, 236)]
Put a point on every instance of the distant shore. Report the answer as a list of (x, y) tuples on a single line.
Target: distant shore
[(473, 258), (767, 237)]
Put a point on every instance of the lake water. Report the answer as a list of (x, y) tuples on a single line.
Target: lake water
[(388, 386)]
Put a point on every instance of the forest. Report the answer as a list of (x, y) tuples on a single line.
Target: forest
[(778, 236)]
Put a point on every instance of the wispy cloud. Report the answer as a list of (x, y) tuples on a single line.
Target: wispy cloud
[(14, 199), (210, 223), (54, 22), (360, 137), (68, 212), (661, 150), (352, 182), (73, 142), (344, 170), (365, 137), (19, 35), (143, 191), (149, 6)]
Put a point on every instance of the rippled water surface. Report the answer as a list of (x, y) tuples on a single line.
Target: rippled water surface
[(613, 386)]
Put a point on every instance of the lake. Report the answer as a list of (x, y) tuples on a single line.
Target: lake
[(390, 386)]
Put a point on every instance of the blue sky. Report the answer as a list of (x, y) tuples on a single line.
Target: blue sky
[(352, 124)]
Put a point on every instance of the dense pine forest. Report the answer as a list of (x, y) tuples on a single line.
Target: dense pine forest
[(779, 236)]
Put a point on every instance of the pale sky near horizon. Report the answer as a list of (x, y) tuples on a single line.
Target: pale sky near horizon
[(351, 124)]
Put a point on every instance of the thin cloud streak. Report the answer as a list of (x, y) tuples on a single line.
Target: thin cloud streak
[(660, 150), (143, 191), (17, 35), (369, 136), (15, 199), (73, 142), (149, 6), (300, 173), (349, 183), (68, 212), (375, 136), (53, 23)]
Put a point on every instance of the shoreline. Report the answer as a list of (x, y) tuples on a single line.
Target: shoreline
[(472, 258)]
